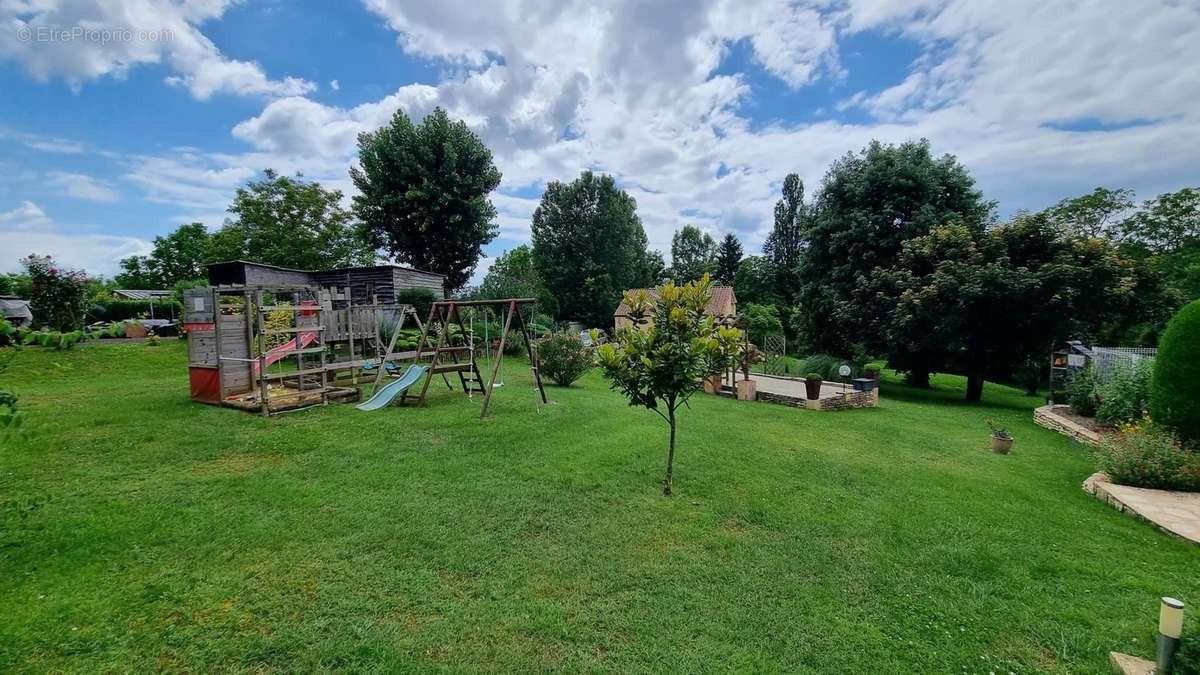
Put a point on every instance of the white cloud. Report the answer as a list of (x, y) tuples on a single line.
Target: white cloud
[(81, 186), (82, 40), (335, 85), (633, 89), (27, 229)]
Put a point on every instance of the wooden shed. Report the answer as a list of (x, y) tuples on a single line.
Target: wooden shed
[(375, 283), (723, 306)]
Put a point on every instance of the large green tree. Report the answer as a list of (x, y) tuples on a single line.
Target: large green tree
[(870, 203), (290, 222), (979, 302), (589, 246), (424, 194), (177, 257), (755, 280), (693, 254), (729, 257)]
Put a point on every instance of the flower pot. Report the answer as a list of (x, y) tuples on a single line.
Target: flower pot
[(747, 390), (813, 389), (712, 384), (1001, 445)]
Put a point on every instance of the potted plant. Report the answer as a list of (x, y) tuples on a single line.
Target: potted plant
[(1001, 440), (812, 386), (872, 370)]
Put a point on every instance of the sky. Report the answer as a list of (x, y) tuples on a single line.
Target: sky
[(120, 121)]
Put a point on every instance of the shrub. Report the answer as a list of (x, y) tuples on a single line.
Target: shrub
[(760, 321), (1150, 457), (1081, 392), (1187, 659), (1175, 392), (58, 298), (420, 298), (814, 377), (1029, 376), (1123, 396), (824, 365), (563, 358)]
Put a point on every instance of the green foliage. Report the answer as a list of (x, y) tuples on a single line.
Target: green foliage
[(153, 340), (1091, 215), (693, 254), (423, 194), (1167, 223), (1029, 376), (19, 285), (813, 376), (514, 275), (759, 321), (114, 309), (784, 247), (823, 365), (1150, 457), (421, 299), (589, 247), (755, 280), (729, 259), (1175, 393), (10, 415), (1187, 658), (288, 222), (563, 357), (985, 302), (1124, 394), (58, 297), (870, 203), (179, 256), (1081, 392), (657, 367)]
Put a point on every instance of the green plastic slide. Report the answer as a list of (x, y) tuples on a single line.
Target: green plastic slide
[(394, 388)]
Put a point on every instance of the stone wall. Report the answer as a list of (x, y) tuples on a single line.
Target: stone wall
[(1045, 417), (850, 401)]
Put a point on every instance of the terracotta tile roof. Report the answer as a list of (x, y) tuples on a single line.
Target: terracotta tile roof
[(722, 303)]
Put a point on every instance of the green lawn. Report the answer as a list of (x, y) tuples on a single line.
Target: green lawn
[(141, 531)]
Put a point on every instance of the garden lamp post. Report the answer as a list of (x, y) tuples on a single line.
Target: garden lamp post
[(1170, 627)]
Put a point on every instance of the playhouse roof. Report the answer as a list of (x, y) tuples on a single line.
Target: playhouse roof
[(723, 302)]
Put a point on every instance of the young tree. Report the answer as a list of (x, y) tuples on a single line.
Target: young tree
[(657, 366), (589, 246), (785, 245), (288, 222), (424, 194), (870, 204), (693, 254), (1093, 214), (729, 257)]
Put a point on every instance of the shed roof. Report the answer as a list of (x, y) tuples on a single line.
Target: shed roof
[(12, 307), (134, 294), (721, 304)]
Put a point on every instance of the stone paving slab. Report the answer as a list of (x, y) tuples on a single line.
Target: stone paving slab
[(1175, 512), (1124, 664)]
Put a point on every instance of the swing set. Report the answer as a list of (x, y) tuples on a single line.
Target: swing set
[(446, 357)]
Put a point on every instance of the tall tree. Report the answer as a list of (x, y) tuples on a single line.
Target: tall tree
[(729, 257), (978, 302), (693, 254), (755, 282), (870, 203), (785, 245), (1093, 214), (137, 273), (589, 246), (424, 194), (289, 222), (182, 254)]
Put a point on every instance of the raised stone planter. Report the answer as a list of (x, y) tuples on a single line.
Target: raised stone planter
[(1176, 513), (1045, 417)]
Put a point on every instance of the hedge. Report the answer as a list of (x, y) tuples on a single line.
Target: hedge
[(121, 310), (1175, 389)]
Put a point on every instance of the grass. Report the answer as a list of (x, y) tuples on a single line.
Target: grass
[(141, 531)]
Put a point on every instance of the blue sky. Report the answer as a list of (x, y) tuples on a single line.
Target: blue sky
[(698, 108)]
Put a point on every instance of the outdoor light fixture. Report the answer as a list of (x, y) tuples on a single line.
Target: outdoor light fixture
[(1170, 627)]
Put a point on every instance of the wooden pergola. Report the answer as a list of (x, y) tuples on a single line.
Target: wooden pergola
[(446, 312)]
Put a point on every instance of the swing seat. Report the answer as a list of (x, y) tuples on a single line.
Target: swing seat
[(370, 365)]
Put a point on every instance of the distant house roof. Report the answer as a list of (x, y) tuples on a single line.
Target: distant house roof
[(723, 302), (142, 295)]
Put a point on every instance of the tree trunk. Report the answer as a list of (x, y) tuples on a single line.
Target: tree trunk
[(917, 378), (974, 387), (670, 452)]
